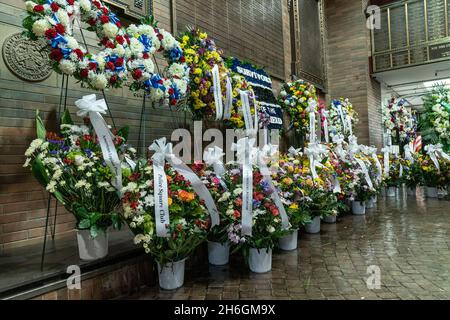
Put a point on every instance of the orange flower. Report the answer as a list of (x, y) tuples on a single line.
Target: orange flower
[(169, 178), (186, 196), (170, 201)]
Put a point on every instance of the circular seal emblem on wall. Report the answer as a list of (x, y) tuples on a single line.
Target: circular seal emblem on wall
[(25, 58)]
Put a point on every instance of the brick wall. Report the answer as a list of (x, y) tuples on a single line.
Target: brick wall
[(348, 49), (23, 201)]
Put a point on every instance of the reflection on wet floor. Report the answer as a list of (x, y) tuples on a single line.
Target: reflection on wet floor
[(407, 238)]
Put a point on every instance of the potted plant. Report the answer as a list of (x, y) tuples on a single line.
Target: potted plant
[(394, 179), (434, 179), (266, 226), (413, 176), (218, 236), (361, 194), (286, 179), (71, 167), (187, 226)]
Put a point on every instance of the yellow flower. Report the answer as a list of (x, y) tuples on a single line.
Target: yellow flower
[(197, 71), (203, 35), (170, 201), (293, 206), (288, 181)]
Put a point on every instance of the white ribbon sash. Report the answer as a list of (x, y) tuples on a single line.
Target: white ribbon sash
[(378, 164), (435, 151), (163, 152), (292, 152), (408, 153), (90, 105), (217, 92), (325, 130), (228, 100), (349, 124), (269, 150), (243, 148), (386, 163), (341, 116), (366, 172), (336, 185), (246, 110), (213, 157), (312, 120), (314, 152)]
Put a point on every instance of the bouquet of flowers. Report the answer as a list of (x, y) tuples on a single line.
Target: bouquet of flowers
[(189, 220), (395, 177), (435, 121), (286, 179), (201, 56), (236, 120), (341, 117), (71, 167), (361, 190), (431, 175), (398, 121), (412, 171), (295, 99)]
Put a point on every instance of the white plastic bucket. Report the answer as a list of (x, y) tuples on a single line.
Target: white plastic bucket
[(391, 191), (92, 248), (218, 253), (432, 192), (358, 208), (289, 242), (171, 275), (260, 260), (314, 226)]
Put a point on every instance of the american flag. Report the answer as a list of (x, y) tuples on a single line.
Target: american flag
[(417, 145)]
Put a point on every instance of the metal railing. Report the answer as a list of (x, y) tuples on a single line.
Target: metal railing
[(412, 32)]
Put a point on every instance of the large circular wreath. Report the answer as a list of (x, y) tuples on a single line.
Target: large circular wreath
[(294, 98), (398, 121), (126, 51), (341, 114)]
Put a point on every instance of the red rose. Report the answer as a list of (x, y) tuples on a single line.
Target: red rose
[(60, 28), (118, 24), (145, 55), (137, 74), (236, 214), (171, 91), (79, 53), (113, 80), (54, 6), (92, 21), (97, 4), (38, 8), (160, 36), (119, 61), (92, 66), (119, 39), (71, 2), (127, 38), (50, 33), (110, 45), (110, 65), (173, 102), (105, 10), (104, 41), (182, 59), (56, 55), (275, 212), (104, 19), (84, 73)]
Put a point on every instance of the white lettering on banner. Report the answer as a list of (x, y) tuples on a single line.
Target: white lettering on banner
[(276, 120), (217, 92), (162, 202), (253, 74)]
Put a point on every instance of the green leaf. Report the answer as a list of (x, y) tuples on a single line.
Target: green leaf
[(66, 118), (84, 224), (94, 218), (38, 170), (40, 127), (123, 132), (94, 231)]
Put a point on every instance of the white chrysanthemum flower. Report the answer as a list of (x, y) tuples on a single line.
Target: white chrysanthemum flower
[(63, 17), (85, 5), (110, 30), (40, 26), (136, 46), (51, 186), (237, 191), (67, 66), (146, 29), (99, 81), (181, 85), (30, 6), (72, 43), (225, 196), (132, 29), (156, 94), (57, 174), (119, 50), (149, 200), (27, 162), (168, 41), (149, 66), (177, 69), (81, 184), (35, 144)]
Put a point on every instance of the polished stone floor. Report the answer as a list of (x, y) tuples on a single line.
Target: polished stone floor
[(407, 238)]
